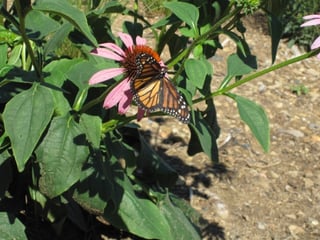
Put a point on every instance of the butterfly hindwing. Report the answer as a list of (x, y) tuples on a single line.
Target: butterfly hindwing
[(172, 102)]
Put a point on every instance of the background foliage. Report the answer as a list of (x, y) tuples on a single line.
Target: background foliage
[(292, 19)]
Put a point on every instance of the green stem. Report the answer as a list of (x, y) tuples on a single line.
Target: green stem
[(94, 102), (259, 74), (184, 55), (25, 38)]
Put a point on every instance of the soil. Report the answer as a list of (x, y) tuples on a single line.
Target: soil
[(251, 194)]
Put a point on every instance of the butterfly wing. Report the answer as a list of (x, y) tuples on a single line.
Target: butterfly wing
[(159, 93), (152, 90), (171, 102)]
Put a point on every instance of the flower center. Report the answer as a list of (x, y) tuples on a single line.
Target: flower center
[(132, 60)]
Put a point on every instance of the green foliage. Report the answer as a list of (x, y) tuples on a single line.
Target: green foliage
[(299, 89), (64, 159), (292, 18)]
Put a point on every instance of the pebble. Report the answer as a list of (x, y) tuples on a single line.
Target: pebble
[(314, 126), (308, 183), (313, 222), (222, 210), (293, 132), (295, 230), (261, 225)]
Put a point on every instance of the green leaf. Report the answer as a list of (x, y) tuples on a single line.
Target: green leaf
[(196, 71), (64, 9), (155, 169), (276, 30), (57, 75), (181, 227), (11, 227), (255, 117), (237, 40), (203, 137), (187, 12), (15, 56), (56, 39), (25, 118), (130, 207), (92, 126), (81, 72), (4, 58), (61, 156), (37, 25), (236, 67), (96, 185), (7, 36), (5, 173)]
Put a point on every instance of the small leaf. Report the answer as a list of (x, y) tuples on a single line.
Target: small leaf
[(25, 118), (61, 156), (196, 71), (203, 138), (5, 173), (57, 76), (15, 55), (187, 12), (3, 53), (56, 40), (276, 30), (63, 8), (255, 117), (236, 67), (11, 227), (181, 227), (92, 126)]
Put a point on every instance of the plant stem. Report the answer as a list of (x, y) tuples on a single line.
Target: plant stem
[(25, 38), (258, 74), (184, 55)]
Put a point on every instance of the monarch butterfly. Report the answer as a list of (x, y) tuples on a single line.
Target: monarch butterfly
[(152, 90)]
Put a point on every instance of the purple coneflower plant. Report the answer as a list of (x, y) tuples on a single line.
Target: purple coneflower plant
[(121, 93), (312, 20)]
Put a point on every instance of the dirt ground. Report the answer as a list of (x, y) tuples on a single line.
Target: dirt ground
[(252, 194)]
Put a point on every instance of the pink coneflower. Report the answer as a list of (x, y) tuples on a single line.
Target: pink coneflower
[(121, 94), (313, 20)]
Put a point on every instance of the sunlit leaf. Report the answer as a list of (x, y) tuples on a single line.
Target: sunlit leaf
[(25, 118), (203, 138), (92, 126), (236, 67), (37, 25), (11, 227), (196, 71), (187, 12), (255, 117), (61, 156), (63, 8), (181, 227)]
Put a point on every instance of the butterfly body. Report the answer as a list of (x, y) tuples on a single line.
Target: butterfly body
[(152, 90)]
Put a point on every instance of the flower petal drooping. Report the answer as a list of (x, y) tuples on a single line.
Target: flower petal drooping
[(119, 95), (105, 75), (313, 20)]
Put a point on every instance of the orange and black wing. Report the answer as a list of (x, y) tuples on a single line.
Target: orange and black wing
[(158, 93), (152, 91)]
